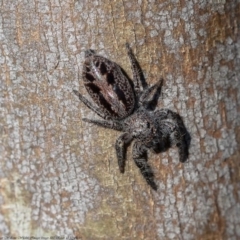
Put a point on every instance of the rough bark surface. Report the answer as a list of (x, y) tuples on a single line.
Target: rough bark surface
[(59, 176)]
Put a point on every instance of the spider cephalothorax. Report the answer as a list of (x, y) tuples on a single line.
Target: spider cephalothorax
[(129, 107)]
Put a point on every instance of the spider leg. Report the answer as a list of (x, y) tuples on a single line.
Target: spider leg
[(178, 138), (181, 137), (89, 104), (140, 158), (138, 78), (106, 124), (149, 97), (172, 128), (121, 148)]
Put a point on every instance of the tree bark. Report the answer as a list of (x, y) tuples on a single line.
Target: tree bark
[(59, 176)]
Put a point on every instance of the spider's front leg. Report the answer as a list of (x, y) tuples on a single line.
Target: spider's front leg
[(178, 138), (140, 158), (172, 127), (121, 148)]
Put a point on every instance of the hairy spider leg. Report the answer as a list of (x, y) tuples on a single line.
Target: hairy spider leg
[(90, 105), (138, 79), (139, 153), (171, 125), (149, 97), (121, 148), (178, 138), (106, 124)]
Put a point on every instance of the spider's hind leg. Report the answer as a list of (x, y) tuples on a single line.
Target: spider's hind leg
[(105, 124), (89, 104), (138, 78)]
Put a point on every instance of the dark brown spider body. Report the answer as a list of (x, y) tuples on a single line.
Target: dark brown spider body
[(131, 110)]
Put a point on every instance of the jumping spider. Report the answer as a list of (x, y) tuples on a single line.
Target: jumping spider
[(128, 106)]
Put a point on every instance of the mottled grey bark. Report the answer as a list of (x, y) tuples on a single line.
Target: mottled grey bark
[(59, 175)]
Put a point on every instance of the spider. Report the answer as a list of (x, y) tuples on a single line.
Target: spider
[(128, 106)]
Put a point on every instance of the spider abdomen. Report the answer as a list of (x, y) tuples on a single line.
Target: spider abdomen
[(108, 86)]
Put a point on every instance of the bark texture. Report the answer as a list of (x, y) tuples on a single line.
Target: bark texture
[(59, 176)]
